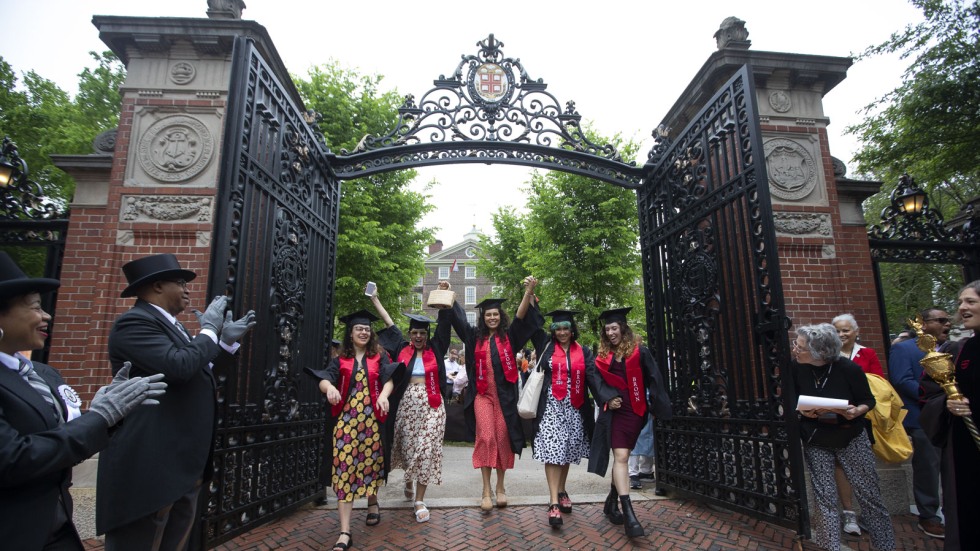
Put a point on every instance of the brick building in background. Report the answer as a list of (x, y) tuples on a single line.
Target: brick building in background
[(457, 265)]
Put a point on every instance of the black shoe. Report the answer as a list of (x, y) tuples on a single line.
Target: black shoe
[(554, 516), (633, 527), (564, 502), (660, 492), (611, 507), (648, 476), (635, 483), (344, 546)]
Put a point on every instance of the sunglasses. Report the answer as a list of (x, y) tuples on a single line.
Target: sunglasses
[(942, 321)]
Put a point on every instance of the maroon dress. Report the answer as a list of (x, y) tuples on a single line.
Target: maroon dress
[(626, 424)]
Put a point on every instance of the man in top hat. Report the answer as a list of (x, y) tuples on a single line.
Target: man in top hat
[(152, 472), (43, 432)]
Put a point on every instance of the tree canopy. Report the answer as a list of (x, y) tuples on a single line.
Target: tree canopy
[(380, 238), (579, 237)]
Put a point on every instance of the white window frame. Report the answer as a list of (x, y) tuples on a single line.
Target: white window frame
[(443, 272), (470, 294), (471, 317), (417, 302), (470, 272)]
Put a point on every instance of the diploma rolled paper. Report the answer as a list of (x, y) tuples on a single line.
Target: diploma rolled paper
[(817, 402)]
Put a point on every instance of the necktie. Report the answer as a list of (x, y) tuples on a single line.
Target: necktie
[(183, 331), (37, 382)]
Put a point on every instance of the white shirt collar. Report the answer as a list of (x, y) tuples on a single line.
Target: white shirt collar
[(13, 362), (165, 313)]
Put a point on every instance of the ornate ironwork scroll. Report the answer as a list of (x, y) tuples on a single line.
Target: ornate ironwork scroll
[(715, 314), (274, 252), (29, 220), (488, 110)]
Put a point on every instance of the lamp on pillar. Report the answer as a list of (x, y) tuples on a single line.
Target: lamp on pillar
[(12, 167), (907, 198)]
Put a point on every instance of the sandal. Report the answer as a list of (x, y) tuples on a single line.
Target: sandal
[(344, 546), (564, 502), (373, 519), (554, 516), (501, 499), (409, 490), (486, 504), (421, 515)]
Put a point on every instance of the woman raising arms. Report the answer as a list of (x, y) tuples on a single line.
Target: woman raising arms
[(490, 407)]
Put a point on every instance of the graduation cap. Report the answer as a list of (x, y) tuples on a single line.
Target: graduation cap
[(615, 314), (335, 343), (361, 317), (490, 303), (418, 321), (562, 315)]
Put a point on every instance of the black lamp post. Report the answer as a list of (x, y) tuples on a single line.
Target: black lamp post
[(12, 167), (907, 198)]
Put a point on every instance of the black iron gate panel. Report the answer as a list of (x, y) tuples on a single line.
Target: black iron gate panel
[(274, 252), (715, 315)]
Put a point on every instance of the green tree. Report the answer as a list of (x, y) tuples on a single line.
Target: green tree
[(380, 238), (579, 237)]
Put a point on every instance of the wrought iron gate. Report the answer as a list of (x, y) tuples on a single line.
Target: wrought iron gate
[(716, 318), (274, 252)]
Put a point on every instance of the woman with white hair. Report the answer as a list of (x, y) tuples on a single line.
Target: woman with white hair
[(837, 434)]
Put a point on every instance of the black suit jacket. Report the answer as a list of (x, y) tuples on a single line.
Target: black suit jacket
[(159, 452), (36, 457)]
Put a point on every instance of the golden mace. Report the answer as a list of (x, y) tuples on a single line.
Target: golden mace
[(939, 366)]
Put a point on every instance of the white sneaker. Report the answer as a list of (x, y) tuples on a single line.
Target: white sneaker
[(850, 523)]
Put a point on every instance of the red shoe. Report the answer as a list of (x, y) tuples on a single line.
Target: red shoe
[(554, 516), (564, 502)]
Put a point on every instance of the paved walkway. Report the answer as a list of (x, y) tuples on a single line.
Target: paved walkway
[(458, 524)]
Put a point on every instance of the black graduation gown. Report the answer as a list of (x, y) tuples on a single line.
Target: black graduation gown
[(658, 404), (392, 339), (389, 370), (960, 455), (518, 333)]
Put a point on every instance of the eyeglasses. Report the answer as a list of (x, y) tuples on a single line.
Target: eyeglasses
[(180, 282), (942, 321)]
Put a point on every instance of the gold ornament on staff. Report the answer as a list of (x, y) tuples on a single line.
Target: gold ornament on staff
[(939, 366)]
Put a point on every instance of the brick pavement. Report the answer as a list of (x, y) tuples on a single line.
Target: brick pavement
[(675, 524)]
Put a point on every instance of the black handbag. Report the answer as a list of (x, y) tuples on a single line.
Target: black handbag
[(826, 432)]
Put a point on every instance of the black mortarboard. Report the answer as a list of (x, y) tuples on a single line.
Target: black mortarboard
[(418, 321), (615, 314), (335, 343), (361, 317), (562, 315), (490, 303)]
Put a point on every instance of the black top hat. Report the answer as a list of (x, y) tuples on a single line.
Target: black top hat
[(148, 269), (490, 303), (361, 317), (418, 321), (14, 282), (615, 314), (562, 315)]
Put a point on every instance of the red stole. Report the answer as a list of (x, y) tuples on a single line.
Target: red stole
[(559, 373), (633, 383), (483, 367), (407, 355), (374, 384)]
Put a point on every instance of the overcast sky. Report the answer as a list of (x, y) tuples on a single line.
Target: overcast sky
[(623, 63)]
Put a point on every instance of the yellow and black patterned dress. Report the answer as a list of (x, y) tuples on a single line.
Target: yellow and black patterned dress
[(358, 458)]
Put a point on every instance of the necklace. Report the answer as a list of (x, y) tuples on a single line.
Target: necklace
[(821, 380)]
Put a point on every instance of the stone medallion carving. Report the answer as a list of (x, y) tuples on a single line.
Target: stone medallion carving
[(802, 223), (792, 170), (166, 208), (175, 148), (182, 73), (780, 101)]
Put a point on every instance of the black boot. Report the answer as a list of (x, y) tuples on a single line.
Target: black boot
[(633, 527), (611, 508)]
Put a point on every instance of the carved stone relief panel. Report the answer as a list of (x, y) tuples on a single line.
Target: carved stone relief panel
[(180, 209), (795, 169), (174, 148), (802, 224)]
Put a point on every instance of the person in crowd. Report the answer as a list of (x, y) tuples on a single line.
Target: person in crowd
[(358, 385), (905, 373), (837, 435), (43, 433), (490, 404), (151, 474), (417, 402), (562, 428), (630, 369), (457, 373), (942, 420), (847, 330), (641, 458), (903, 335)]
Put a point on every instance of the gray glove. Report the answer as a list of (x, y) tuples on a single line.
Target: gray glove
[(115, 400), (214, 317), (234, 330)]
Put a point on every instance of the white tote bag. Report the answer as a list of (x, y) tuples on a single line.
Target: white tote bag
[(527, 404)]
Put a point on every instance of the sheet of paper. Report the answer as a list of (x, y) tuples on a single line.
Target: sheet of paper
[(814, 402)]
